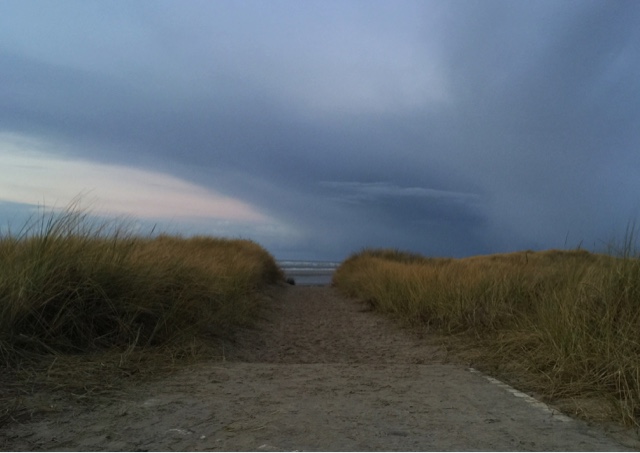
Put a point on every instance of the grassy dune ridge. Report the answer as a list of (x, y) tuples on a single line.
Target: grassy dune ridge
[(568, 321), (68, 285)]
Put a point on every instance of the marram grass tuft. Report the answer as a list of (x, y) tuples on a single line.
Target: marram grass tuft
[(568, 320), (68, 286)]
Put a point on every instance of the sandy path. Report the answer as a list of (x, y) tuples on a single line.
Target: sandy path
[(321, 373)]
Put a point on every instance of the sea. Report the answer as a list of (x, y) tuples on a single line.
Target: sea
[(309, 273)]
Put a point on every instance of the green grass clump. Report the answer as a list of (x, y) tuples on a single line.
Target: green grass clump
[(69, 286), (569, 321)]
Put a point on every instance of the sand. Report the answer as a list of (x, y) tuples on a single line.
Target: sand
[(320, 372)]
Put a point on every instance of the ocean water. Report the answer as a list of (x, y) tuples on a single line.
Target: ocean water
[(309, 273)]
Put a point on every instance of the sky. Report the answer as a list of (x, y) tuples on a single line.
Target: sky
[(319, 128)]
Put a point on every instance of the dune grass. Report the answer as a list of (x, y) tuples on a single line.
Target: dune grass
[(70, 286), (72, 290), (565, 324)]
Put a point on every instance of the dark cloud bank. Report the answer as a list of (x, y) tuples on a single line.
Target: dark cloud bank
[(310, 112)]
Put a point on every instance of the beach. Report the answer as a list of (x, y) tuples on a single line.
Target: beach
[(309, 272)]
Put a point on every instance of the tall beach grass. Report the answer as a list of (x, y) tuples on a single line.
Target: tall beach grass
[(565, 323), (69, 285)]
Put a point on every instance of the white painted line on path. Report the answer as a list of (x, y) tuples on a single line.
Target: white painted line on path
[(528, 398)]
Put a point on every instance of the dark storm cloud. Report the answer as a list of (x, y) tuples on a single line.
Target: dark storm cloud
[(547, 99), (445, 127)]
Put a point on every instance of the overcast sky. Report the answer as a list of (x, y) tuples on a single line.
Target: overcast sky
[(317, 128)]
